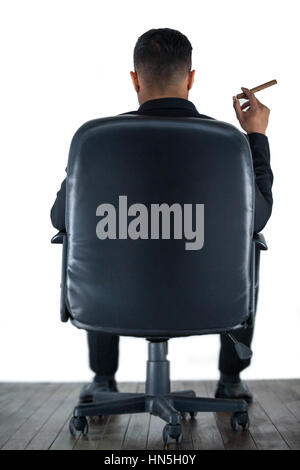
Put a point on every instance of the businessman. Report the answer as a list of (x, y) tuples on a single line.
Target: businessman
[(162, 79)]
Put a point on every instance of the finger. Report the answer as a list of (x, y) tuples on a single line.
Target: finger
[(250, 95), (245, 105), (237, 107)]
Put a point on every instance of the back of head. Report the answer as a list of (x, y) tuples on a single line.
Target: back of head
[(162, 57)]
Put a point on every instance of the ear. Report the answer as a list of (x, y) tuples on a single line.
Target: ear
[(135, 81), (191, 79)]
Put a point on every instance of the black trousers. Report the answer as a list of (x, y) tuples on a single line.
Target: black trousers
[(229, 362), (104, 348), (103, 353)]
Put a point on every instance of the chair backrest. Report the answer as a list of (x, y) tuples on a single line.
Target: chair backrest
[(159, 221)]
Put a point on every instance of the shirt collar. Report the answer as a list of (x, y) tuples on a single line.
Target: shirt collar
[(181, 103)]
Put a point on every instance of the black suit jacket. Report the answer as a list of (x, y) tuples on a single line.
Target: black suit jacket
[(181, 107)]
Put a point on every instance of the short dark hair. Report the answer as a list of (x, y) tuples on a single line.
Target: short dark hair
[(162, 57)]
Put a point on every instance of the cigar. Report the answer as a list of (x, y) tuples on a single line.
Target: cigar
[(257, 88)]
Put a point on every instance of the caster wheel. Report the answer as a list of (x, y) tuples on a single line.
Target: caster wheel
[(172, 432), (193, 414), (78, 424), (240, 419)]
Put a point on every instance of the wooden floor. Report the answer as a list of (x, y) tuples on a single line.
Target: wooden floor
[(35, 416)]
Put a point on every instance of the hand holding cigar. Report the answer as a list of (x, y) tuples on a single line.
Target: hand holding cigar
[(253, 116)]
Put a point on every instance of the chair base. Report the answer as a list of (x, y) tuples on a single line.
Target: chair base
[(159, 401)]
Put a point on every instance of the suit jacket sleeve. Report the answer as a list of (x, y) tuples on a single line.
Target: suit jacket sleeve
[(59, 208), (260, 149)]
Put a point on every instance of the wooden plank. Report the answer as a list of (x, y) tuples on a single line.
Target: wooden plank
[(262, 430), (15, 386), (155, 440), (95, 434), (36, 416), (11, 401), (16, 431), (288, 392), (187, 442), (9, 388), (98, 427), (282, 418), (16, 410), (15, 398), (136, 434), (64, 441), (5, 385), (116, 427), (241, 440), (47, 422), (204, 429)]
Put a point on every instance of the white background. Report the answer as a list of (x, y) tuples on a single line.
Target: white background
[(65, 62)]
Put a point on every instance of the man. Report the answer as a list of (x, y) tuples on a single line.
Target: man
[(162, 80)]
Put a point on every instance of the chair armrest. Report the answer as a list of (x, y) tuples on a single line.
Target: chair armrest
[(61, 239), (260, 241), (58, 238), (258, 244)]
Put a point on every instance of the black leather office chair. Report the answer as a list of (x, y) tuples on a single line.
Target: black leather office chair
[(159, 244)]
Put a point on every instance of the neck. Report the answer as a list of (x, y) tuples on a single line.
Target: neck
[(155, 96)]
